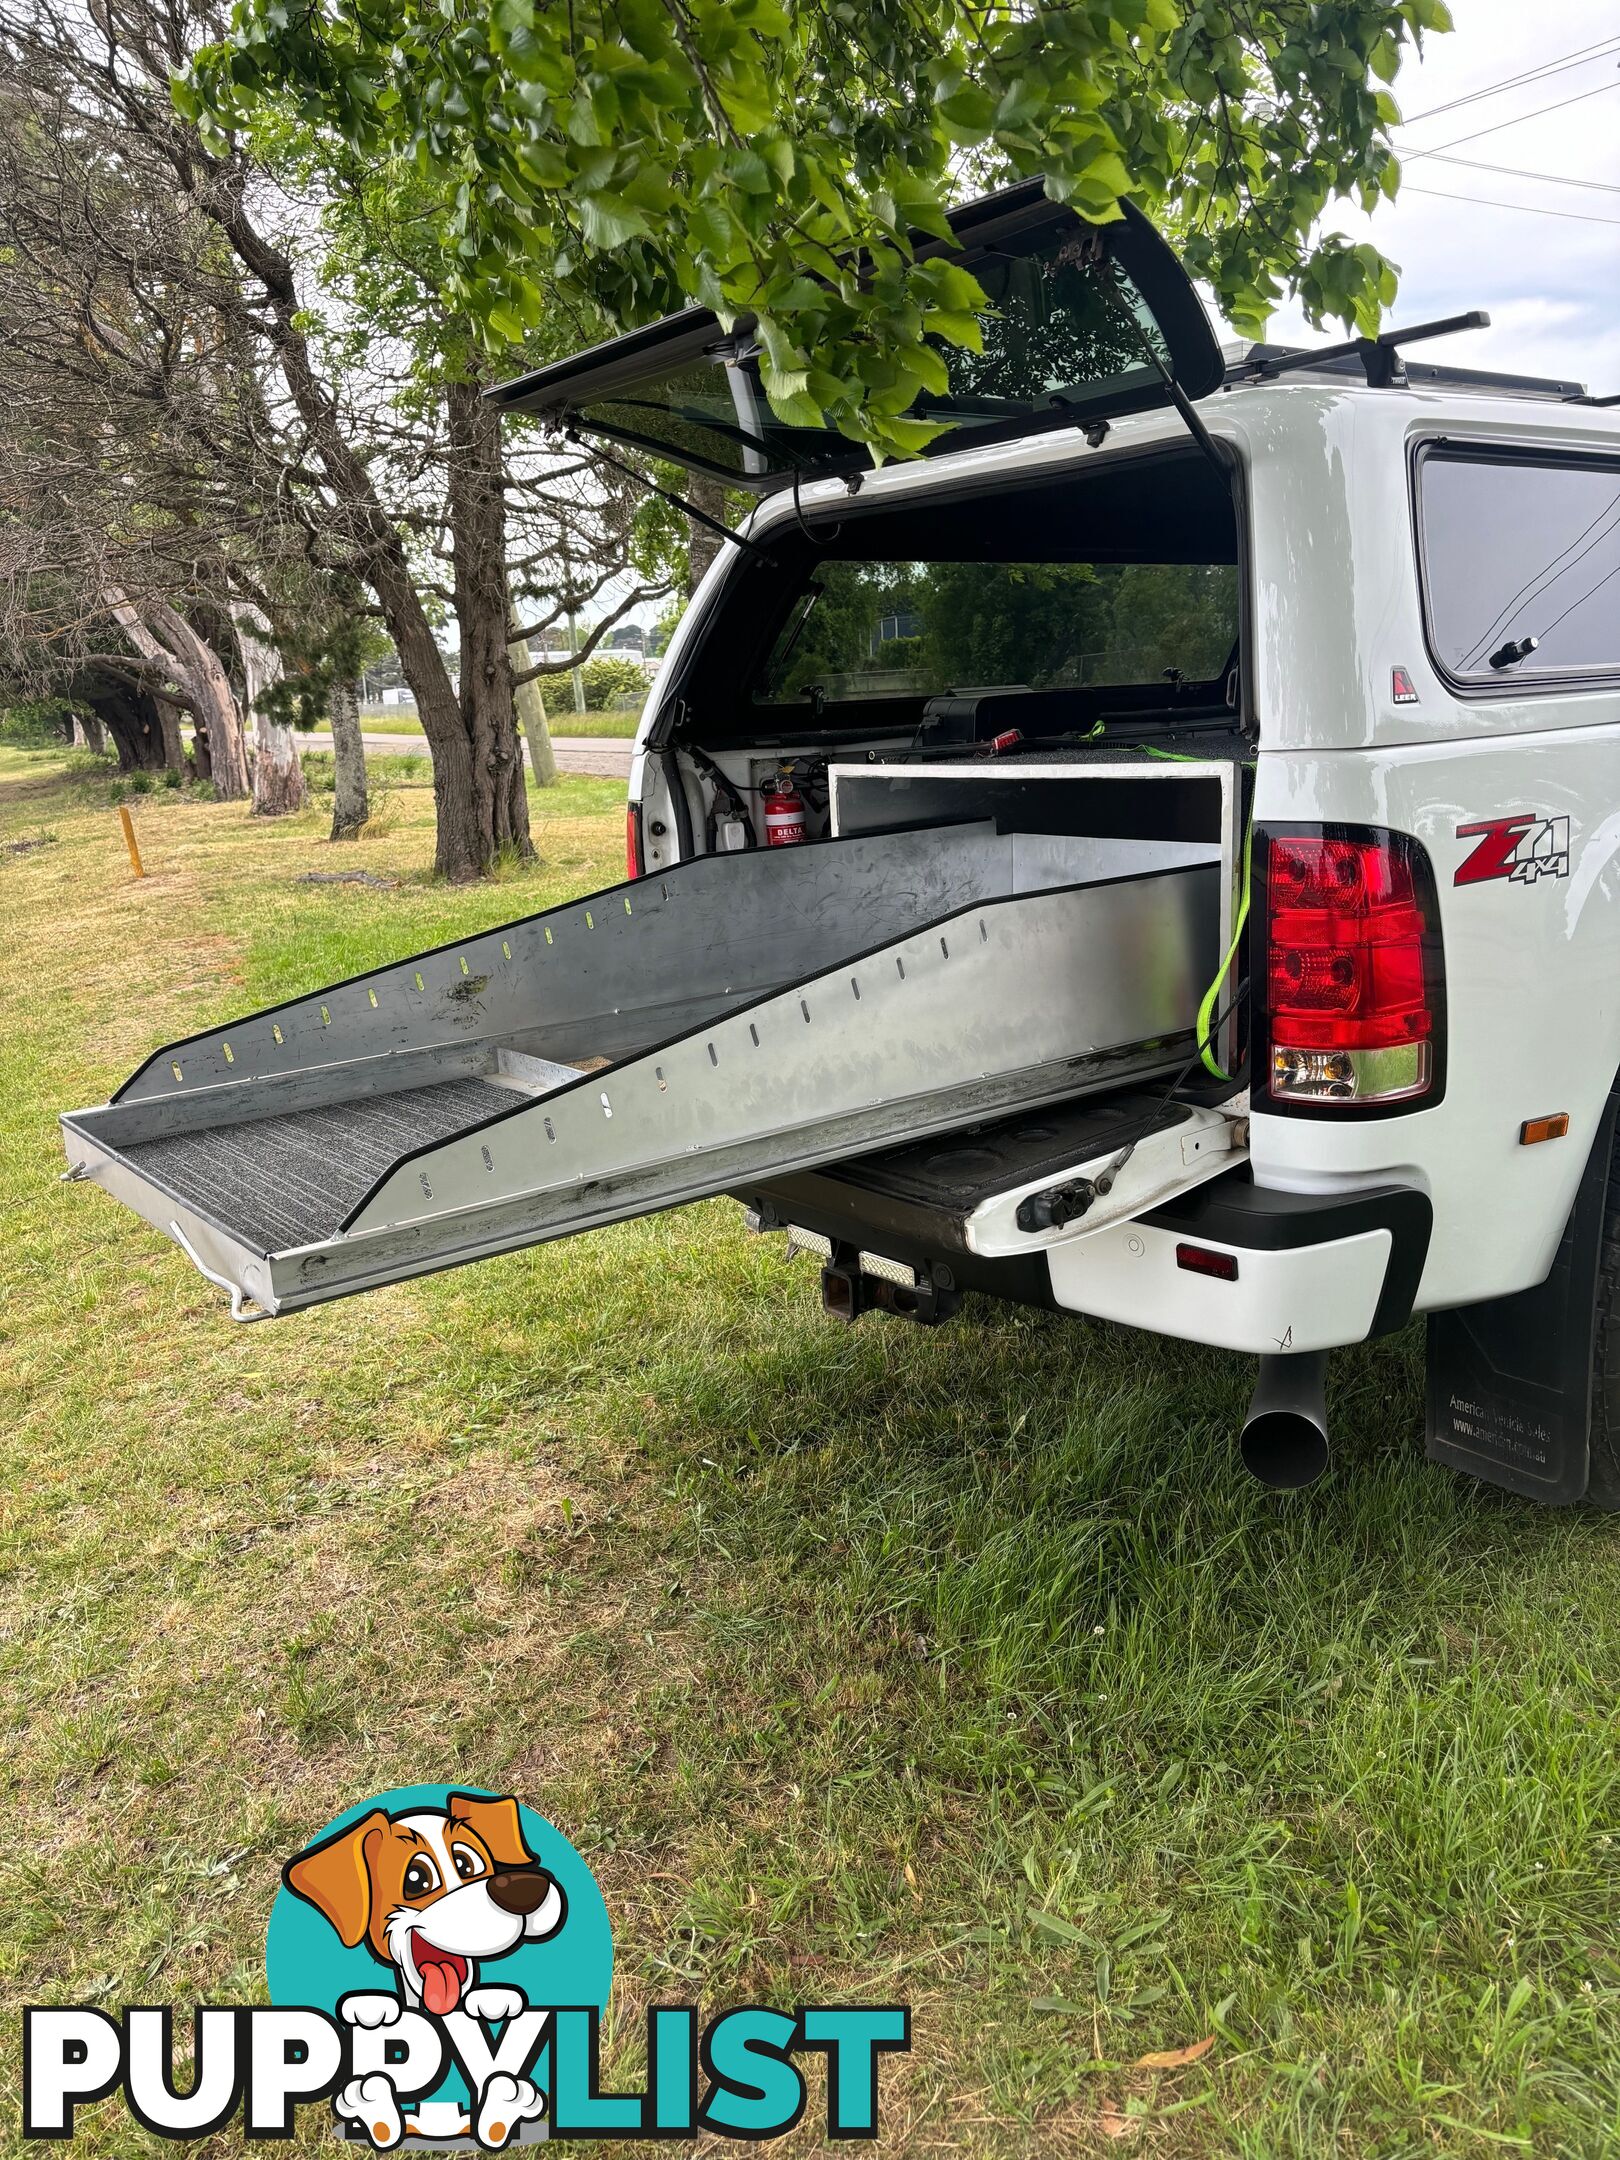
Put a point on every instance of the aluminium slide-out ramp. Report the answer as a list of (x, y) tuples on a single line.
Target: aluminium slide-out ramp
[(654, 1044)]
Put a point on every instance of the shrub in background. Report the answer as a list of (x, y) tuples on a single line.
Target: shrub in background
[(611, 684), (35, 724)]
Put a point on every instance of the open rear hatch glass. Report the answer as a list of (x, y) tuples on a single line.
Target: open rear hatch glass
[(1087, 321)]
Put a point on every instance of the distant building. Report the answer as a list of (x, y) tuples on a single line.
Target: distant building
[(901, 623)]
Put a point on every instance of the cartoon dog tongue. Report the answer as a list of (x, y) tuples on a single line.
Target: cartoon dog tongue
[(442, 1974)]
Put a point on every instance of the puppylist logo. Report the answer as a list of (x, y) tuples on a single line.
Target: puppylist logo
[(439, 1962)]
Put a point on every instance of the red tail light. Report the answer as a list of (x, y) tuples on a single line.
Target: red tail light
[(1351, 992), (632, 840)]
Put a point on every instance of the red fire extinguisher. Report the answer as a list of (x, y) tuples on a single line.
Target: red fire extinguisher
[(784, 812)]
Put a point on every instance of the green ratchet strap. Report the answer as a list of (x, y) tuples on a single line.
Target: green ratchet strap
[(1206, 1010)]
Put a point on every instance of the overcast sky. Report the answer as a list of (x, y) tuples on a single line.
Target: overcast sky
[(1551, 283)]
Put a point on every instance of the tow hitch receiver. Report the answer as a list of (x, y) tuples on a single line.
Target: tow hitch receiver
[(854, 1282)]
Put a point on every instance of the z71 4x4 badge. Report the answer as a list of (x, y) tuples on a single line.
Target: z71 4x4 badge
[(1521, 848)]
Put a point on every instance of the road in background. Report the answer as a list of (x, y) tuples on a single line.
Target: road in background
[(607, 757)]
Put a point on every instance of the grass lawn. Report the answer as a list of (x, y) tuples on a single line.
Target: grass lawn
[(960, 1668), (564, 722)]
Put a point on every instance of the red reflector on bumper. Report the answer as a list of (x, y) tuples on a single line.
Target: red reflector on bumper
[(1202, 1260)]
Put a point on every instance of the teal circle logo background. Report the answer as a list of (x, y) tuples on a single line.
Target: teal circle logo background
[(307, 1965)]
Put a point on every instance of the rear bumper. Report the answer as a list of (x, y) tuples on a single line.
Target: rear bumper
[(1313, 1270)]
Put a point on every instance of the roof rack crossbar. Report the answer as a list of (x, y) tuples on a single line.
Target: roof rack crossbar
[(1379, 356)]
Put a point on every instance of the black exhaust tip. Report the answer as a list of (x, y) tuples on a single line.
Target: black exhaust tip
[(1284, 1442)]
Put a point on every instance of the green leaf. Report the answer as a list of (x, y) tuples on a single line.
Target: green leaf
[(794, 294), (928, 367), (712, 227), (969, 113), (1021, 101), (799, 410), (582, 124), (543, 163), (1060, 1930), (1107, 174), (750, 172), (956, 327), (948, 285), (911, 436), (777, 152), (609, 221)]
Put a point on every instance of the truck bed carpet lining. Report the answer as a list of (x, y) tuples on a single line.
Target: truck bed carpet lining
[(291, 1180)]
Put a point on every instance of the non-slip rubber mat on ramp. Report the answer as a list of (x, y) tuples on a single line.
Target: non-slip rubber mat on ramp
[(286, 1181)]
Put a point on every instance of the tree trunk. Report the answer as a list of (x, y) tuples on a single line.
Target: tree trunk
[(477, 503), (350, 808), (530, 702), (95, 732), (174, 743), (158, 633), (213, 704), (278, 776), (704, 544), (131, 719), (462, 851)]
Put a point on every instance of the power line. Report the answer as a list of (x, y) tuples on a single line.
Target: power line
[(1520, 172), (1457, 141), (1490, 202), (1514, 82)]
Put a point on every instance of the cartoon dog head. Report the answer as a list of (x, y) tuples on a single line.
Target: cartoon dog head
[(432, 1891)]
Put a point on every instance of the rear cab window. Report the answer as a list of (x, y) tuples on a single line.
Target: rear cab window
[(1520, 558), (908, 628), (1085, 603)]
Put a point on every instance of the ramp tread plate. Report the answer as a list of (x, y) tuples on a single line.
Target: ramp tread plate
[(288, 1181)]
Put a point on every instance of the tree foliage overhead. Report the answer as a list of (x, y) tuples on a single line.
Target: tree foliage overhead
[(634, 156)]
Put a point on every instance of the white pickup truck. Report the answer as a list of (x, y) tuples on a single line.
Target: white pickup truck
[(1157, 856)]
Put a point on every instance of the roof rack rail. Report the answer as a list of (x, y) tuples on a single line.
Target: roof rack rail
[(1383, 365)]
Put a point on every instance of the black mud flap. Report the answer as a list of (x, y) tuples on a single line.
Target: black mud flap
[(1510, 1381)]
